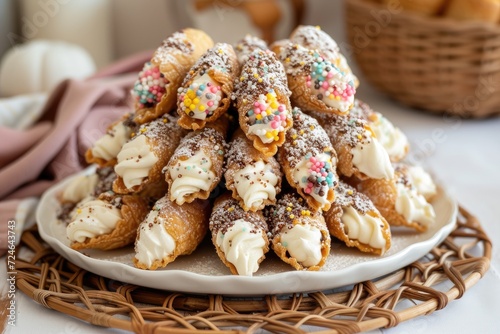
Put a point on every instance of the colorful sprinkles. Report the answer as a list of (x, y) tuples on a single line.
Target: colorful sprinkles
[(149, 88), (321, 176), (202, 97), (268, 110), (328, 82)]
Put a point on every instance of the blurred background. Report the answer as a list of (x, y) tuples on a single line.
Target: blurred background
[(112, 29)]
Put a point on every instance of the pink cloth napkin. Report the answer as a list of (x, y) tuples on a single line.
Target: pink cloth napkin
[(76, 114)]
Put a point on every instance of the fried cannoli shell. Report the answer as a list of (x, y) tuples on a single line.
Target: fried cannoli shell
[(163, 135), (255, 81), (187, 224), (298, 62), (383, 194), (133, 210), (226, 210), (174, 58), (347, 196), (290, 211), (306, 137), (210, 140), (224, 75), (127, 122), (241, 155)]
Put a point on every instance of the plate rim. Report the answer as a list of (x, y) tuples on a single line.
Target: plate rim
[(190, 282)]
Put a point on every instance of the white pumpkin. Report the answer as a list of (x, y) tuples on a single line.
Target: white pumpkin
[(39, 65)]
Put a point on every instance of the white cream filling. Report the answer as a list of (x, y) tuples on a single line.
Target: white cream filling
[(301, 173), (108, 146), (422, 181), (364, 228), (135, 161), (91, 219), (371, 159), (413, 206), (153, 243), (190, 176), (303, 242), (392, 139), (79, 188), (241, 247), (261, 130), (256, 183)]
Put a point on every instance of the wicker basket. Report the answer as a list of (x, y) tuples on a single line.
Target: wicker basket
[(434, 64)]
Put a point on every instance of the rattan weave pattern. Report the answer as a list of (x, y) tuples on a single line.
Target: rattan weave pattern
[(55, 283), (430, 63)]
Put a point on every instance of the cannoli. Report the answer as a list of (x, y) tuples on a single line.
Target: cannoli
[(103, 219), (309, 161), (261, 95), (356, 221), (155, 91), (253, 177), (473, 10), (206, 91), (313, 38), (398, 200), (239, 237), (392, 138), (422, 180), (169, 231), (315, 82), (141, 160), (246, 46), (82, 188), (359, 152), (104, 151), (108, 221), (195, 169), (299, 235)]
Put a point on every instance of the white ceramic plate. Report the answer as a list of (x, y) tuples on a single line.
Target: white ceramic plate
[(203, 272)]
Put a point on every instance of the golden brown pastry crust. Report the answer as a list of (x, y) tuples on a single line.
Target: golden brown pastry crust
[(187, 224), (221, 65), (210, 140), (174, 57), (241, 154), (133, 210)]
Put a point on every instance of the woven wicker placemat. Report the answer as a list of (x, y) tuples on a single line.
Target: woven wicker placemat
[(462, 259)]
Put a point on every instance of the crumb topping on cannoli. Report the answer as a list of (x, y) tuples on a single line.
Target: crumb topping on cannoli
[(247, 45), (409, 202), (262, 77), (137, 156), (346, 196), (315, 38), (194, 173), (106, 177), (298, 229), (177, 43), (240, 235), (200, 94), (326, 81), (311, 157)]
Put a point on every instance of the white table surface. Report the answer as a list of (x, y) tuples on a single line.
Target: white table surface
[(465, 157)]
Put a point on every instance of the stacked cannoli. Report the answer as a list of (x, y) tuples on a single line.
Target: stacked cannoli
[(250, 148)]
